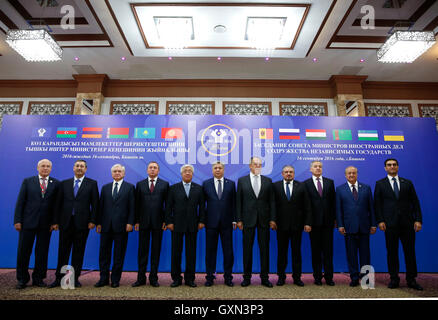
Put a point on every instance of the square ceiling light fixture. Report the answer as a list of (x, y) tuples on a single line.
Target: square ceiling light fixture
[(175, 32), (405, 46), (264, 32), (34, 45)]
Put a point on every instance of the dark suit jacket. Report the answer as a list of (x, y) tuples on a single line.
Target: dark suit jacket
[(405, 210), (150, 207), (85, 204), (292, 214), (119, 212), (31, 209), (355, 216), (251, 210), (323, 208), (185, 212), (220, 213)]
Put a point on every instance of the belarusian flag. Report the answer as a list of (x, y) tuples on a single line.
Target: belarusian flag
[(118, 133)]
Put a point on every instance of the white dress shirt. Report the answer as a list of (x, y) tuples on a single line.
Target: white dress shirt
[(80, 181), (291, 186), (259, 180), (392, 182), (119, 185), (155, 181), (315, 182), (356, 185), (216, 183)]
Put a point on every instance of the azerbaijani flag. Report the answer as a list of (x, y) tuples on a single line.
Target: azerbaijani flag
[(171, 133), (286, 134), (367, 135), (144, 133), (316, 134), (92, 132), (393, 136), (118, 133), (265, 133), (64, 132), (340, 134)]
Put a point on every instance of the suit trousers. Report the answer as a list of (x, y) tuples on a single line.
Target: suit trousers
[(212, 237), (357, 243), (26, 240), (143, 253), (406, 235), (248, 243), (321, 241), (283, 238), (120, 240), (177, 248), (71, 238)]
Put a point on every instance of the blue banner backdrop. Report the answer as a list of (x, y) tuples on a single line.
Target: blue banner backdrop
[(200, 140)]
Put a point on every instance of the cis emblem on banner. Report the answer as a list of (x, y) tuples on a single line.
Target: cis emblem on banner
[(218, 139)]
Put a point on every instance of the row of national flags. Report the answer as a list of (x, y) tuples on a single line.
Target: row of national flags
[(321, 134)]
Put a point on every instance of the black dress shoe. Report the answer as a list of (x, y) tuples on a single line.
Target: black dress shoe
[(330, 282), (245, 283), (39, 283), (55, 284), (138, 283), (78, 284), (115, 285), (318, 282), (267, 284), (415, 285), (154, 284), (175, 284), (354, 283), (20, 285), (229, 283), (299, 283), (101, 283), (280, 282), (209, 283), (191, 284), (393, 284)]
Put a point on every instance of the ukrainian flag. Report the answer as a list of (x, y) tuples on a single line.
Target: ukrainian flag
[(144, 133), (393, 136)]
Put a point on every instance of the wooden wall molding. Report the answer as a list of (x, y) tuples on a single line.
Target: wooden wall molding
[(38, 88), (400, 90)]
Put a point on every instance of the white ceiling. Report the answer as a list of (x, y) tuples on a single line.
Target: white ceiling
[(235, 64)]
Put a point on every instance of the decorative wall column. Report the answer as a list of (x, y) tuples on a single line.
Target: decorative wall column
[(89, 97), (348, 89)]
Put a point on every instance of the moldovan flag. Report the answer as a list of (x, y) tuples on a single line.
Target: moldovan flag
[(171, 133), (286, 134), (367, 135), (265, 133), (92, 133), (393, 136), (339, 134), (144, 133), (64, 132), (316, 134), (118, 133)]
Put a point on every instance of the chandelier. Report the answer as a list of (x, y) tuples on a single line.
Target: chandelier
[(405, 46), (34, 45)]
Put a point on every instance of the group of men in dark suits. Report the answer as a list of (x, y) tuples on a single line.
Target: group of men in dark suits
[(73, 206)]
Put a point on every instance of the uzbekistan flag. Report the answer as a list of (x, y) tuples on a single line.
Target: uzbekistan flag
[(286, 134), (393, 136), (144, 133), (264, 133), (92, 133), (339, 134), (117, 133), (316, 134), (64, 132), (367, 135), (171, 133)]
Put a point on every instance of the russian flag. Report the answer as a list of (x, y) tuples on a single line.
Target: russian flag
[(289, 134)]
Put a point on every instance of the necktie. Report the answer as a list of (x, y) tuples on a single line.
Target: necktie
[(318, 183), (43, 187), (219, 189), (187, 187), (115, 191), (152, 187), (355, 195), (396, 190), (76, 187), (256, 186), (287, 190)]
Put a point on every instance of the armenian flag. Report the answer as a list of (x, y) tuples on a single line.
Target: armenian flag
[(92, 132)]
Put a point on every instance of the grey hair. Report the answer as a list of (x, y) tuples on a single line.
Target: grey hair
[(39, 162), (187, 166), (118, 165), (216, 163)]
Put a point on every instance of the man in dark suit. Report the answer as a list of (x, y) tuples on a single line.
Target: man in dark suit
[(398, 214), (77, 204), (255, 208), (33, 218), (321, 192), (150, 196), (220, 196), (356, 221), (184, 217), (293, 216), (115, 219)]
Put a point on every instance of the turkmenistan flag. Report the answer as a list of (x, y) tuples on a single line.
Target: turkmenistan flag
[(367, 135), (144, 133), (340, 134), (64, 132), (118, 133)]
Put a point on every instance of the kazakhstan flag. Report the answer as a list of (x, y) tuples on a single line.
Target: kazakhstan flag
[(144, 133)]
